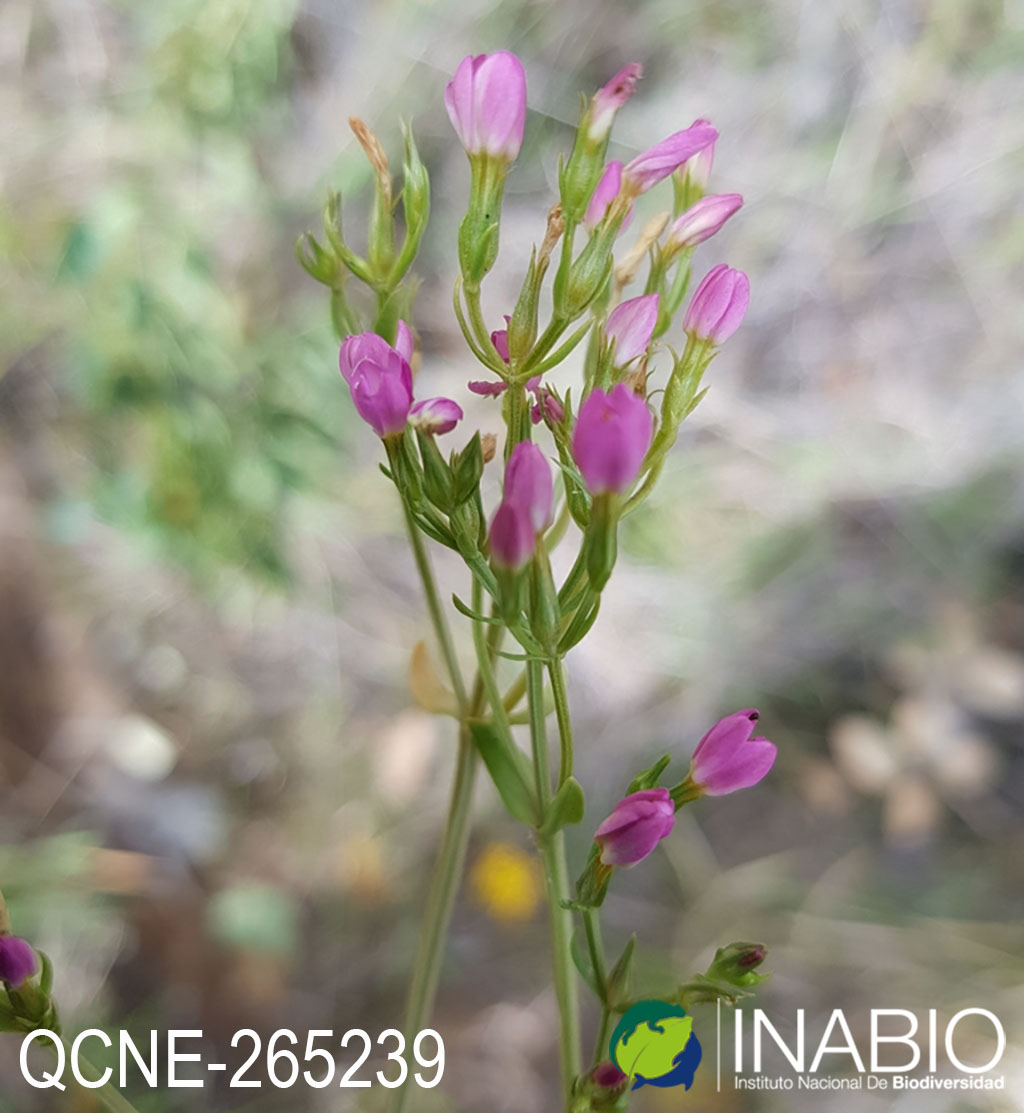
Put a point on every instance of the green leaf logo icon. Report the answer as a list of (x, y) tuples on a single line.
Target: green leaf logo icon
[(654, 1044)]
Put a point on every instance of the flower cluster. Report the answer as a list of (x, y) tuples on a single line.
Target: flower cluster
[(575, 462)]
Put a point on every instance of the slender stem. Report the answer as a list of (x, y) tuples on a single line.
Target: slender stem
[(451, 856), (595, 947), (538, 732), (592, 927), (516, 691), (518, 421), (486, 645), (556, 877), (108, 1094), (440, 901), (556, 670), (437, 616), (603, 1028)]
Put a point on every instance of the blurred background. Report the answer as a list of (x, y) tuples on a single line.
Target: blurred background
[(218, 802)]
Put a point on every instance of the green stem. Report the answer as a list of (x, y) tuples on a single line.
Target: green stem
[(538, 732), (595, 947), (517, 419), (447, 873), (437, 616), (108, 1094), (556, 670), (601, 1044), (440, 901), (556, 878), (556, 875)]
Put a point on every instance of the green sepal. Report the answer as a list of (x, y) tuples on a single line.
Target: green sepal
[(478, 232), (509, 770), (415, 206), (465, 609), (438, 482), (581, 622), (467, 469), (592, 886), (601, 540), (315, 260), (45, 972), (522, 326), (335, 237), (566, 807), (649, 778), (620, 978)]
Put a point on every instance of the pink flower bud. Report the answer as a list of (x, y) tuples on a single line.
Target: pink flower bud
[(18, 960), (547, 408), (605, 192), (718, 306), (636, 826), (604, 1086), (403, 341), (702, 220), (512, 536), (611, 438), (528, 483), (380, 381), (610, 98), (486, 102), (697, 169), (727, 758), (435, 415), (608, 1076), (631, 326), (663, 158)]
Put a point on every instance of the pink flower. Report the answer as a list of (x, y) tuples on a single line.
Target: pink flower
[(380, 381), (486, 102), (611, 438), (499, 338), (403, 341), (719, 304), (636, 826), (512, 536), (697, 169), (18, 960), (727, 758), (652, 166), (435, 415), (528, 483), (610, 98), (631, 326), (702, 220), (487, 388), (605, 192), (526, 506)]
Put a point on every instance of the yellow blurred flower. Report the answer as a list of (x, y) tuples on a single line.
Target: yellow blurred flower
[(506, 881)]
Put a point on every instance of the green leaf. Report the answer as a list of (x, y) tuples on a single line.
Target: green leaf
[(566, 807), (581, 959), (510, 771)]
